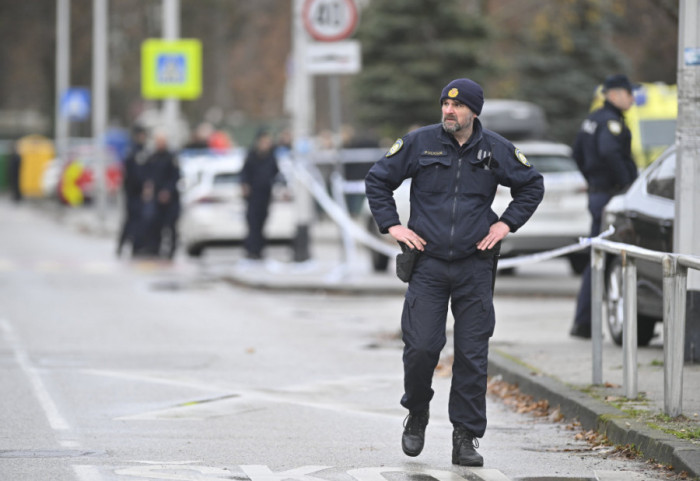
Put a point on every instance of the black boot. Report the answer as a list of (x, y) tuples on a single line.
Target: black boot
[(581, 330), (463, 448), (414, 432)]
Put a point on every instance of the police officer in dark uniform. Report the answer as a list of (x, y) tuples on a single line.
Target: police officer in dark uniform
[(602, 150), (132, 185), (258, 176), (455, 167), (161, 199)]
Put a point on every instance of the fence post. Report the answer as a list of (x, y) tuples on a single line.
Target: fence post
[(629, 331), (675, 285), (598, 282)]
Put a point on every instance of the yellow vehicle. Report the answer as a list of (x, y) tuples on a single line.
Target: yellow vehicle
[(652, 120)]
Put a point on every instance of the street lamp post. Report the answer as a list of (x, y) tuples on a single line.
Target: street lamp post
[(687, 217)]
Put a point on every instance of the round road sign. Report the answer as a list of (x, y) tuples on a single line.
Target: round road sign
[(329, 20)]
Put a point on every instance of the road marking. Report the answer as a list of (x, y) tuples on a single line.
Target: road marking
[(56, 421), (186, 472), (376, 474), (53, 266), (87, 473), (178, 471)]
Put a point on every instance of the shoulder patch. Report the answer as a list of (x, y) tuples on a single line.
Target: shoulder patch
[(395, 148), (521, 157), (615, 127)]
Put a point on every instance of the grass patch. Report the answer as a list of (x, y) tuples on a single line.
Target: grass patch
[(680, 427)]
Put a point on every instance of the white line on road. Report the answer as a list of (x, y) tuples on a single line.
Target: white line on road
[(55, 419), (87, 473)]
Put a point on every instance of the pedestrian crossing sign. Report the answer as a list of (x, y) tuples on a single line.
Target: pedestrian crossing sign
[(171, 69)]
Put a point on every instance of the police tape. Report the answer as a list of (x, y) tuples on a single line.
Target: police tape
[(583, 243), (341, 217)]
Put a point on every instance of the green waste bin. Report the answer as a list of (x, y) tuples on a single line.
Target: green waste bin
[(5, 149)]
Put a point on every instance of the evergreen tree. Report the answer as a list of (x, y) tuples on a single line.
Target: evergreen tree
[(410, 50), (569, 55)]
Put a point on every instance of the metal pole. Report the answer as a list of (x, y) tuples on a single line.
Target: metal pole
[(687, 216), (171, 107), (100, 101), (61, 125), (674, 283), (336, 126), (597, 281), (629, 332), (301, 122)]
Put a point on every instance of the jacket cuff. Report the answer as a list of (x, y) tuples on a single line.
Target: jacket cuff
[(510, 225), (385, 230)]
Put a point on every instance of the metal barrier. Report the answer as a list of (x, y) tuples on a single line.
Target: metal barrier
[(675, 273)]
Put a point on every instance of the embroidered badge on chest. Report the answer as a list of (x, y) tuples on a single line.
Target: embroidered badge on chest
[(615, 127)]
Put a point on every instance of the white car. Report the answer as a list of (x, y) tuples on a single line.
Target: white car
[(560, 219), (213, 207), (563, 215)]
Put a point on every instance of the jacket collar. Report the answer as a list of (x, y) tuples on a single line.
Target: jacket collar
[(477, 134), (610, 106)]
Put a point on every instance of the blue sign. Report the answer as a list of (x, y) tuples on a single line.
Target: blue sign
[(692, 56), (171, 68), (75, 104)]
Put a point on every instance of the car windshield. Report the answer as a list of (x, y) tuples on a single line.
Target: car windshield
[(227, 178), (662, 179), (552, 163)]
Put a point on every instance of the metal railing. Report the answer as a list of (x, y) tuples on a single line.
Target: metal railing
[(675, 273)]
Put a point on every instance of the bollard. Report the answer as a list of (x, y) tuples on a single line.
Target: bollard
[(674, 283), (629, 332), (598, 282)]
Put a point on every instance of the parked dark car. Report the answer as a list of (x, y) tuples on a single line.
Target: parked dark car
[(643, 216)]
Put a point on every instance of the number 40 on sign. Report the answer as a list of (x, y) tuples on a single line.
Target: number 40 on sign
[(330, 20)]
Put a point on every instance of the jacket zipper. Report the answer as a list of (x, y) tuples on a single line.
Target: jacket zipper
[(454, 208)]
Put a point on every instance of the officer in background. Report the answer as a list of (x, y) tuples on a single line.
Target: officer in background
[(160, 200), (258, 176), (603, 152), (14, 169), (455, 167), (132, 185)]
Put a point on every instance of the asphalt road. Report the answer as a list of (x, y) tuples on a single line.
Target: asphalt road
[(119, 370)]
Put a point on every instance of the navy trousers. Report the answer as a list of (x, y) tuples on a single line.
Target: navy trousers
[(467, 283), (596, 203)]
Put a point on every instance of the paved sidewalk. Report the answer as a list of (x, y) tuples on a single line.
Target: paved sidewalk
[(530, 347)]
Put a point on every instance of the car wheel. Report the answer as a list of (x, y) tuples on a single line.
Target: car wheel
[(614, 308), (380, 262), (614, 301), (578, 262)]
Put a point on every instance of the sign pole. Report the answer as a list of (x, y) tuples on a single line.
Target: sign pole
[(687, 217), (171, 106), (62, 74), (301, 127), (100, 102)]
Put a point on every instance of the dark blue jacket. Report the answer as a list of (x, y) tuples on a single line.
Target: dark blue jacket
[(603, 153), (453, 187)]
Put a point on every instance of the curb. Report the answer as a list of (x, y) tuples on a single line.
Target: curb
[(366, 285), (618, 426)]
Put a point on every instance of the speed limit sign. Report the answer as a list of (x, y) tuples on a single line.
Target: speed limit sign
[(330, 20)]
